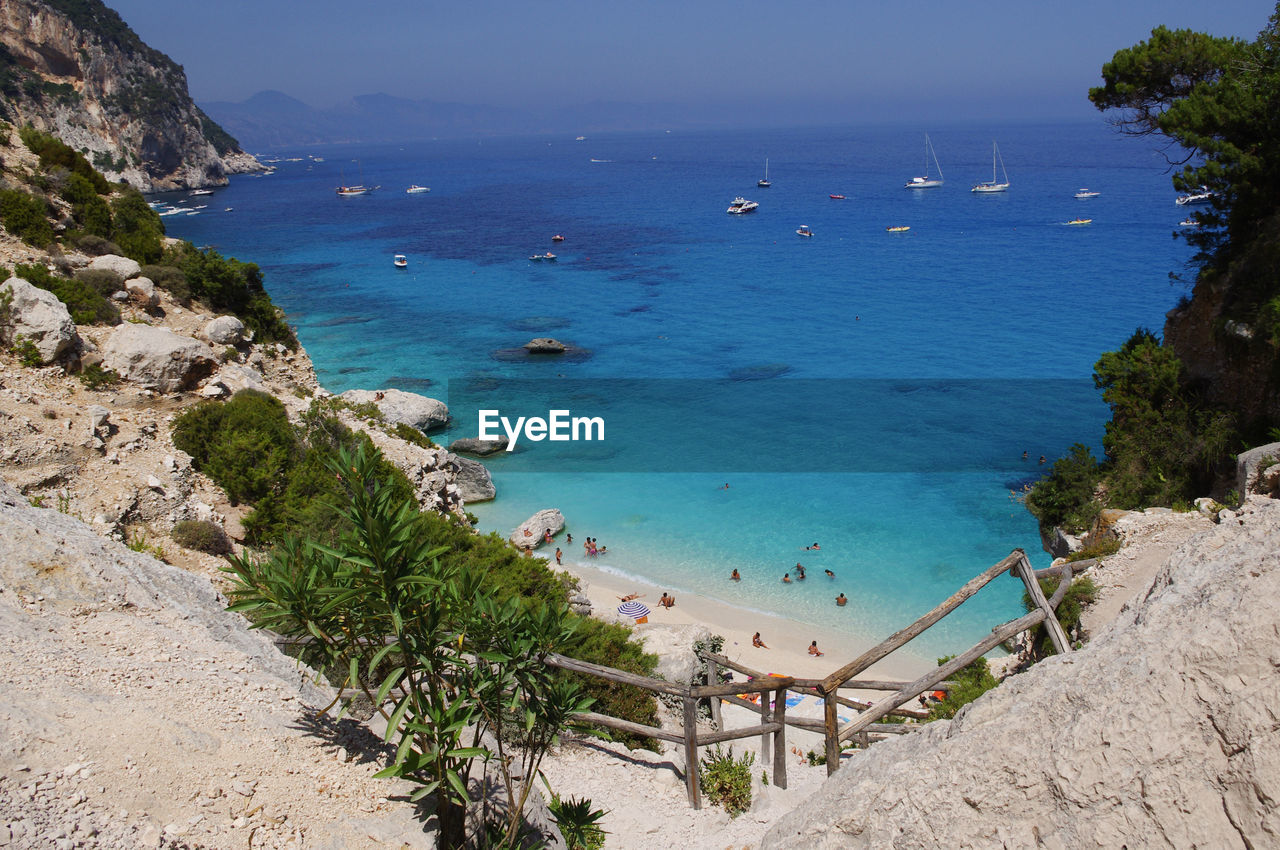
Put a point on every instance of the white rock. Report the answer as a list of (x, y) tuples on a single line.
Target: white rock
[(37, 315), (398, 406), (224, 330), (530, 533), (143, 291), (122, 266), (156, 358)]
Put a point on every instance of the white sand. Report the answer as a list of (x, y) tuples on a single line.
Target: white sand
[(788, 640)]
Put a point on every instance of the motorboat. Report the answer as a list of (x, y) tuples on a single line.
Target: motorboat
[(927, 182), (803, 230), (1078, 221), (1186, 222), (196, 192), (1085, 194), (836, 197), (898, 228), (351, 191), (416, 189), (401, 261), (557, 238), (548, 256), (986, 188), (1204, 196), (741, 206)]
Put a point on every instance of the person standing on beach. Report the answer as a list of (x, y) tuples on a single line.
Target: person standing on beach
[(558, 553)]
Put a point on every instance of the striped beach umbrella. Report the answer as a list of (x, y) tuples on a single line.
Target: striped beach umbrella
[(634, 610)]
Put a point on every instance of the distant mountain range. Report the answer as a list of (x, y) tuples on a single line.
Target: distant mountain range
[(272, 119)]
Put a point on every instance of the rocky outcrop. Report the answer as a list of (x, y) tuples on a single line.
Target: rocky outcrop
[(475, 484), (157, 358), (478, 447), (38, 316), (545, 345), (224, 330), (122, 267), (531, 533), (398, 406), (1159, 733), (142, 290), (1258, 470), (101, 90)]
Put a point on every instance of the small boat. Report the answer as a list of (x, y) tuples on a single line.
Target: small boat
[(195, 192), (601, 160), (1186, 222), (803, 230), (741, 206), (1085, 194), (994, 186), (763, 182), (401, 261), (898, 228), (557, 238), (228, 209), (1078, 221), (351, 191), (927, 182), (415, 189), (581, 139), (548, 256), (1204, 196), (836, 197)]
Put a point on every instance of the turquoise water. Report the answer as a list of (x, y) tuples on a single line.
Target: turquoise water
[(873, 392)]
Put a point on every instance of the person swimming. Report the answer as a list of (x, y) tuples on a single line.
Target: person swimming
[(735, 576), (829, 574), (787, 578), (841, 600), (812, 548)]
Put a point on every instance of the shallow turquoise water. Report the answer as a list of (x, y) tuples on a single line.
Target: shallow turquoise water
[(992, 294)]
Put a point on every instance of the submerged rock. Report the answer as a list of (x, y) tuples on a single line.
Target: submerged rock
[(479, 447), (545, 345)]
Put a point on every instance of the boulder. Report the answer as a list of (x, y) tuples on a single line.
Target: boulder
[(1059, 543), (37, 315), (545, 345), (234, 377), (1158, 733), (158, 359), (479, 447), (143, 292), (123, 266), (475, 484), (673, 645), (529, 534), (1250, 478), (398, 406), (224, 330)]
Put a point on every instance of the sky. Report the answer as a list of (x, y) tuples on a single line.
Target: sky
[(818, 60)]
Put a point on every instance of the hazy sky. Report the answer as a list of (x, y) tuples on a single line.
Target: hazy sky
[(851, 60)]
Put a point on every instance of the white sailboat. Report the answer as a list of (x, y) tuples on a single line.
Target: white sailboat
[(764, 183), (993, 186), (927, 182)]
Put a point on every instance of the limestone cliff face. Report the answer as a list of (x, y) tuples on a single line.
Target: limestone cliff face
[(77, 71)]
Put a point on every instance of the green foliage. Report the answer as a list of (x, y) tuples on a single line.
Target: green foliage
[(410, 434), (1081, 592), (96, 246), (85, 303), (971, 682), (54, 153), (226, 284), (26, 217), (1098, 549), (95, 377), (171, 280), (138, 229), (578, 822), (610, 645), (1064, 497), (815, 758), (726, 781), (27, 353), (203, 536), (1162, 443), (246, 445), (222, 141), (443, 661)]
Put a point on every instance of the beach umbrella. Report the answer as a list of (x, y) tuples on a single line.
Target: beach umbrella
[(634, 610)]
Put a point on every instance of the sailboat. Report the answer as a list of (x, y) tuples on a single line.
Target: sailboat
[(927, 182), (345, 191), (993, 186), (764, 183)]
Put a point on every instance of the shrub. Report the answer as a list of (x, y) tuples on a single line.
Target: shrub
[(971, 682), (1098, 549), (138, 229), (410, 434), (1064, 497), (726, 780), (95, 377), (26, 217), (245, 444), (54, 153), (96, 246), (27, 353), (1081, 592), (203, 536), (578, 822), (103, 281), (228, 284), (86, 305), (170, 279), (610, 645)]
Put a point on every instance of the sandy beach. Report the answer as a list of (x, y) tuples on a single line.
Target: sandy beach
[(787, 640)]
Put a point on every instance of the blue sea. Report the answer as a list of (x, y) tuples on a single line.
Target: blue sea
[(872, 392)]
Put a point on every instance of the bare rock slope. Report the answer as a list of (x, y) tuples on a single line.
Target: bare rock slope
[(1162, 732)]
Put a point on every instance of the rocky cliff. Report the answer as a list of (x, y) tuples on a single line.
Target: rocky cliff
[(74, 69), (1161, 732)]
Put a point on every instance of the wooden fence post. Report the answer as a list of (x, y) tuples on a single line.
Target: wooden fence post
[(766, 716), (1060, 642), (691, 752), (713, 678), (780, 739), (831, 729)]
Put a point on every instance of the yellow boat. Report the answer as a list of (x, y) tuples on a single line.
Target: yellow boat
[(1080, 221), (901, 228)]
